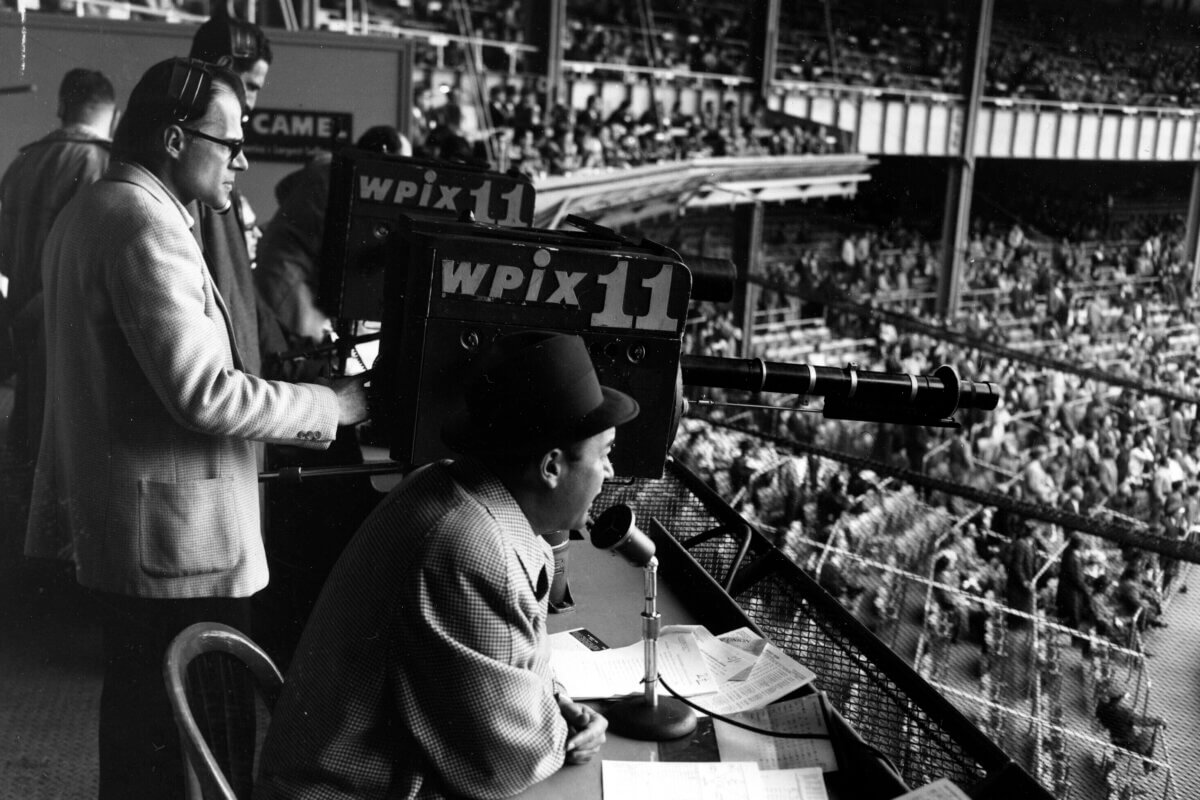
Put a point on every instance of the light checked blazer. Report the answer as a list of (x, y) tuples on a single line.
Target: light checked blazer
[(147, 458)]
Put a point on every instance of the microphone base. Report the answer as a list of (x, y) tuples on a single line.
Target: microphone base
[(634, 719)]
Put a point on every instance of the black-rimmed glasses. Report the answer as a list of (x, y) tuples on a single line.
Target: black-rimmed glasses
[(234, 145)]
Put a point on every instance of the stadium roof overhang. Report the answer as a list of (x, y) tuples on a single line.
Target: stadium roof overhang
[(621, 197)]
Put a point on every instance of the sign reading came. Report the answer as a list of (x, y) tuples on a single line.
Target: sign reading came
[(274, 134)]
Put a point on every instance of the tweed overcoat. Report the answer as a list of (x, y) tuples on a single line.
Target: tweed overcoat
[(424, 671)]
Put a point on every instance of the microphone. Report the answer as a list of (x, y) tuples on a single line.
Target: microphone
[(648, 716), (616, 529)]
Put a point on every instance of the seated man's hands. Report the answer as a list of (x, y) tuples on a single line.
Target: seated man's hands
[(586, 727)]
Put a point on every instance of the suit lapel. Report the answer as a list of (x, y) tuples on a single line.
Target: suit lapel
[(196, 213), (533, 560), (140, 176), (233, 346)]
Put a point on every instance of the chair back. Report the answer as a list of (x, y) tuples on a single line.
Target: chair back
[(204, 776)]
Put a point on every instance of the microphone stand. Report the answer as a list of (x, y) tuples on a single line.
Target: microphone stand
[(648, 717)]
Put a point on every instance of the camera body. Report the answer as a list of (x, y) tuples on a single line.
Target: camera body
[(369, 192), (452, 287)]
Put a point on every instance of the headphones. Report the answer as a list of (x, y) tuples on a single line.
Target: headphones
[(242, 44), (191, 79)]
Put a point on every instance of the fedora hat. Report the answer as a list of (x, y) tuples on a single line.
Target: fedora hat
[(534, 389)]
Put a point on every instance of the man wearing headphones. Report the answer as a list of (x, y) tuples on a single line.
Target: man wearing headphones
[(147, 456), (222, 233)]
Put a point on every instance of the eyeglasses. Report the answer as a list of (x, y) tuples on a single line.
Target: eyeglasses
[(234, 145)]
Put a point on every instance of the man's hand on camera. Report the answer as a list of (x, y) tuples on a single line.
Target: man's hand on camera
[(352, 399), (586, 727)]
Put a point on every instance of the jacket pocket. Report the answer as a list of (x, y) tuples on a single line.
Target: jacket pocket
[(188, 528)]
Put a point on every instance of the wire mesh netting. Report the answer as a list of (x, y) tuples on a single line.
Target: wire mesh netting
[(921, 577), (798, 617)]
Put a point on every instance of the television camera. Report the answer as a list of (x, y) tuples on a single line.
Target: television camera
[(444, 256)]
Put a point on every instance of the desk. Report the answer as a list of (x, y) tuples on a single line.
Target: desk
[(607, 591), (608, 601)]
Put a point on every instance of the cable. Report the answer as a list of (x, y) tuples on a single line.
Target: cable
[(736, 723), (870, 748)]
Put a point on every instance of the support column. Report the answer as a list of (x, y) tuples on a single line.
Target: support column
[(404, 87), (961, 179), (764, 45), (1192, 233), (747, 250), (544, 30)]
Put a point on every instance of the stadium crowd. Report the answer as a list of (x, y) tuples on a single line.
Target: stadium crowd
[(514, 132), (1057, 440), (1071, 52)]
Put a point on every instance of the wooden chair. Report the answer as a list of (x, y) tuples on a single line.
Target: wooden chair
[(204, 776)]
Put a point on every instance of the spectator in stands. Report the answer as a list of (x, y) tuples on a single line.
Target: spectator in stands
[(963, 542), (527, 115), (1021, 565), (832, 502), (1073, 497), (1073, 597), (1139, 456), (1126, 728), (777, 493), (501, 106), (623, 116), (422, 121), (591, 117), (743, 467), (447, 141), (591, 148), (1135, 597), (698, 455), (1108, 473), (1038, 483), (466, 121), (835, 578), (1174, 527), (561, 152), (525, 156), (949, 600)]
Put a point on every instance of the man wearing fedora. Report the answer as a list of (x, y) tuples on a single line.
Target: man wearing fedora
[(424, 669)]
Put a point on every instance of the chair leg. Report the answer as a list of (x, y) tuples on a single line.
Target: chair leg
[(192, 790)]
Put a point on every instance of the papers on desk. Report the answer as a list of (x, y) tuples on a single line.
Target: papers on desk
[(793, 784), (736, 671), (747, 673), (802, 715), (774, 675), (709, 780), (618, 672), (726, 662)]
